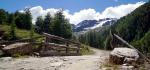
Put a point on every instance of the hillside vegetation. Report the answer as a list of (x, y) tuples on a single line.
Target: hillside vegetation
[(96, 37), (19, 24), (21, 33), (134, 28)]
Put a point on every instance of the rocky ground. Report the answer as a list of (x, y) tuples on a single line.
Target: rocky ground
[(86, 62)]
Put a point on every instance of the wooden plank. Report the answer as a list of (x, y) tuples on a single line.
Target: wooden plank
[(56, 45), (65, 50), (58, 54), (59, 38)]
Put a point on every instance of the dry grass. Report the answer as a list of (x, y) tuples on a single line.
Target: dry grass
[(109, 66), (85, 50)]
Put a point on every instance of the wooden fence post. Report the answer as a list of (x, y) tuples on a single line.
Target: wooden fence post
[(67, 48), (78, 48)]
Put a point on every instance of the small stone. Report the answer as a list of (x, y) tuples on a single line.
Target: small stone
[(65, 59), (70, 62), (131, 67), (56, 64), (124, 64), (127, 67), (4, 45), (104, 68), (21, 69)]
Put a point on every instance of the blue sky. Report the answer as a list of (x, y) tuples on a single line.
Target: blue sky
[(72, 5), (74, 10)]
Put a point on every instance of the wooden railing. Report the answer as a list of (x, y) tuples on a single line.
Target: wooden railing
[(68, 47)]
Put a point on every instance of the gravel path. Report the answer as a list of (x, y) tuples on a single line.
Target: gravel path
[(86, 62)]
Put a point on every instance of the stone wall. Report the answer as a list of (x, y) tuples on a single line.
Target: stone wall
[(18, 48)]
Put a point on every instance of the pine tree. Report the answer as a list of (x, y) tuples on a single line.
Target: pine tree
[(61, 25), (12, 28), (28, 19), (3, 16), (23, 20), (66, 29), (58, 20), (39, 24), (47, 25)]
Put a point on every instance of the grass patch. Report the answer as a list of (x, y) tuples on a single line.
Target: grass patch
[(85, 50), (20, 33), (145, 66), (109, 66), (20, 56)]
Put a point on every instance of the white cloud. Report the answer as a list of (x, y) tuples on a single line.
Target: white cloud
[(119, 11), (39, 11), (87, 14)]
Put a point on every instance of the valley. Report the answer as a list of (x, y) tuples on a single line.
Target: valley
[(51, 36)]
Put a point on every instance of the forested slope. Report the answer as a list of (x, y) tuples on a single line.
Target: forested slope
[(134, 28)]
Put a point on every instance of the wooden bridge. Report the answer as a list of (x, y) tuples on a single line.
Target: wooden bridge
[(47, 47)]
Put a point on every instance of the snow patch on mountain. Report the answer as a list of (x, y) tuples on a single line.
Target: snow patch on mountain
[(92, 24), (98, 25)]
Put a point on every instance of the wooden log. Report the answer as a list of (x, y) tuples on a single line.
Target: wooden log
[(55, 45), (78, 50), (59, 38), (67, 48), (43, 54)]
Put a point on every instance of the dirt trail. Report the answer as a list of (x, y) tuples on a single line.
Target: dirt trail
[(86, 62)]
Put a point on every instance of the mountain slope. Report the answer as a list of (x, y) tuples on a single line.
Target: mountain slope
[(92, 24), (135, 27)]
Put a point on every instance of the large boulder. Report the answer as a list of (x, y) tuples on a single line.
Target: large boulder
[(123, 55)]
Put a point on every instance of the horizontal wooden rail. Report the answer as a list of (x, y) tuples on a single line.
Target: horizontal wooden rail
[(59, 38)]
